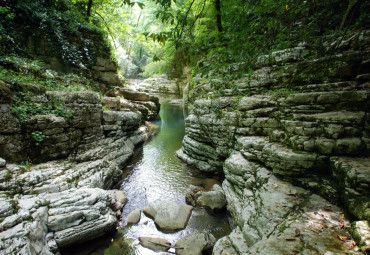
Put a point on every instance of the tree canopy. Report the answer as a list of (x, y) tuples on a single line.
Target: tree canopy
[(162, 36)]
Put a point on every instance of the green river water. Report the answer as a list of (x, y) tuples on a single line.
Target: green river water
[(155, 173)]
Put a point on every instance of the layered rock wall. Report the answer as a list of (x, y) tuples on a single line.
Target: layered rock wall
[(292, 122), (48, 206)]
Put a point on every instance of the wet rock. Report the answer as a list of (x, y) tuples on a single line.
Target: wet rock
[(195, 243), (155, 244), (169, 215), (119, 200), (191, 194), (134, 216), (214, 199), (2, 162)]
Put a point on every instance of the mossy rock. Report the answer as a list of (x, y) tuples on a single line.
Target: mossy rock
[(28, 87), (361, 208), (5, 93), (121, 246)]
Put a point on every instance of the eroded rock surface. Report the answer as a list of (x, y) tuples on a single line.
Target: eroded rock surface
[(47, 222), (290, 149), (56, 204)]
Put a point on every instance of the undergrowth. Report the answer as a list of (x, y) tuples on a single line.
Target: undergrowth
[(26, 105), (14, 69)]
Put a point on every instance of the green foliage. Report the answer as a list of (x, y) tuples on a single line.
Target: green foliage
[(8, 175), (15, 69), (62, 24), (251, 28), (27, 164), (283, 92), (26, 105), (155, 68), (38, 137)]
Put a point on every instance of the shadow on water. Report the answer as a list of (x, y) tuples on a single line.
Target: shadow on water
[(155, 173)]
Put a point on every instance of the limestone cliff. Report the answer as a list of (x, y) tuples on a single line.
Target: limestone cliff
[(293, 128)]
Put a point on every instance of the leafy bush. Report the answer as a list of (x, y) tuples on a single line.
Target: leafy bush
[(62, 24), (25, 106), (15, 69), (38, 137), (155, 69)]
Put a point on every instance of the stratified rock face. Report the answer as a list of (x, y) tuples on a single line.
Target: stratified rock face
[(169, 215), (44, 223), (160, 84), (141, 102), (52, 205), (276, 217), (195, 243), (87, 122), (289, 126)]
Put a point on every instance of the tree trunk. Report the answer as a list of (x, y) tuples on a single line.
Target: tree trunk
[(89, 6), (349, 13), (218, 15)]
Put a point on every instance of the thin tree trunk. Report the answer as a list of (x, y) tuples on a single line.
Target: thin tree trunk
[(349, 11), (218, 15), (89, 6)]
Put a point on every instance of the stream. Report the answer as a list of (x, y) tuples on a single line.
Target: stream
[(157, 174)]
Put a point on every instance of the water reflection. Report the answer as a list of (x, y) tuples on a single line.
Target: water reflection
[(158, 174)]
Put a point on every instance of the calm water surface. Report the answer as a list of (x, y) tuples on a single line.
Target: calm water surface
[(157, 174)]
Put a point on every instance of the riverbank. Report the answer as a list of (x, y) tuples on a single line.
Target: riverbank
[(65, 201)]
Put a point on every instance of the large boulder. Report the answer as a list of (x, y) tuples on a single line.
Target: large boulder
[(2, 162), (42, 224), (169, 215), (155, 244), (214, 199), (192, 194), (195, 243), (134, 216)]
